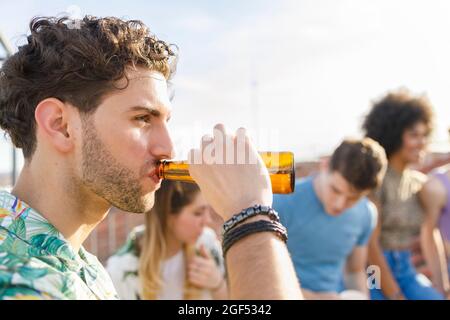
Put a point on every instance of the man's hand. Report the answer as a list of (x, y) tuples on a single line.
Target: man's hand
[(228, 184)]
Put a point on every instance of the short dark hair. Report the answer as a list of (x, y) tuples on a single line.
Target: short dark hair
[(361, 162), (393, 114), (75, 61)]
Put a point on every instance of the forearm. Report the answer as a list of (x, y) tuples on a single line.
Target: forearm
[(259, 267), (434, 253)]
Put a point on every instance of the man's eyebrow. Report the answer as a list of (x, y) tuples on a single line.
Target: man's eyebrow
[(153, 111)]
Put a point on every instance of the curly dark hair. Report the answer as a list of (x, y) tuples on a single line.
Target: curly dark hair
[(393, 114), (76, 61)]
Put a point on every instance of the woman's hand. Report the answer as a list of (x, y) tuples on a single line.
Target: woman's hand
[(203, 271)]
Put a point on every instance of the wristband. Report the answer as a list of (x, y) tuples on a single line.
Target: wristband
[(237, 233)]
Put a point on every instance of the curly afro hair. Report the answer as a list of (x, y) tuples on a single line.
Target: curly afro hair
[(393, 114)]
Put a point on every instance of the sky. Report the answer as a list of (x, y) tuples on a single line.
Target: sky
[(299, 74)]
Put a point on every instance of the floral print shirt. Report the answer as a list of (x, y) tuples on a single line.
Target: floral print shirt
[(36, 262)]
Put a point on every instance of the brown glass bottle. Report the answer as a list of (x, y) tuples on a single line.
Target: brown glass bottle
[(279, 164)]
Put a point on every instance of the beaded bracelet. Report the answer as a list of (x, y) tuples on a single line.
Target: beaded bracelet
[(247, 213), (235, 234)]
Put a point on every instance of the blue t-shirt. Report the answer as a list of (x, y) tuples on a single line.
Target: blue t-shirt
[(318, 242)]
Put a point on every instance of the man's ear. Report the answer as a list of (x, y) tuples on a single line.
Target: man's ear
[(52, 118)]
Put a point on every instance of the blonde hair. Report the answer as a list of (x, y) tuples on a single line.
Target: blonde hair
[(169, 199)]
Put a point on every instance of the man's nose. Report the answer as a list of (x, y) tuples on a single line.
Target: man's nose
[(340, 203), (162, 144)]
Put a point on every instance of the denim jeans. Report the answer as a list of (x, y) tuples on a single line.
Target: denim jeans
[(413, 285)]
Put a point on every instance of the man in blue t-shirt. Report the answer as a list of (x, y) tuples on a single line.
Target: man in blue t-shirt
[(330, 220)]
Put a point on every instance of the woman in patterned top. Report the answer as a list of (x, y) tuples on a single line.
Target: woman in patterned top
[(402, 123), (174, 256)]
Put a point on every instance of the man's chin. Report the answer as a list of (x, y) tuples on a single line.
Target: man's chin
[(146, 204), (148, 201), (334, 213)]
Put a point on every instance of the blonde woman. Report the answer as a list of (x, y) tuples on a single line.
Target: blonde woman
[(174, 256)]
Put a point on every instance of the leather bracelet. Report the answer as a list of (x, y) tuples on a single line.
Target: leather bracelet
[(239, 231), (235, 234), (247, 213)]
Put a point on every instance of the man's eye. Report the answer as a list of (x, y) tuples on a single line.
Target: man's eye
[(145, 118), (336, 191)]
